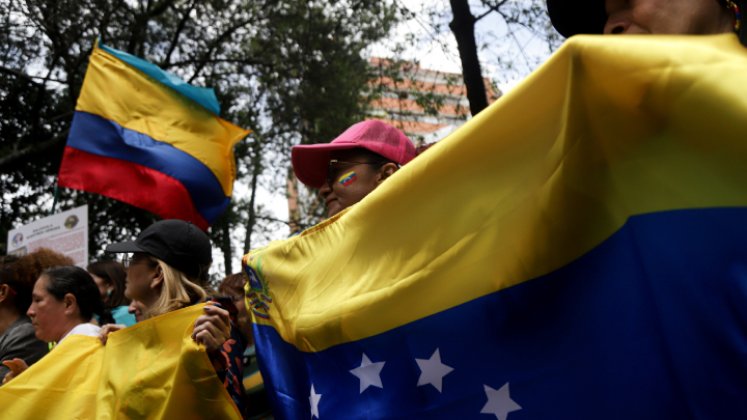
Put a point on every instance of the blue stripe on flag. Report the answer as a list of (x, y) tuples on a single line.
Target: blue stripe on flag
[(651, 324), (112, 140)]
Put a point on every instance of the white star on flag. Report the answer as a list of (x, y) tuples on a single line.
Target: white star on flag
[(314, 399), (368, 373), (499, 402), (432, 371)]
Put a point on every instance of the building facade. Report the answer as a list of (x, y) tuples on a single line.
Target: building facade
[(426, 104)]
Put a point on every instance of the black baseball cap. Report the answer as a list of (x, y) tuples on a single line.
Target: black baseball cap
[(179, 244), (572, 17)]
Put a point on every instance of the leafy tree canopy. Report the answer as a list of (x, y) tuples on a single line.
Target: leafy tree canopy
[(290, 70)]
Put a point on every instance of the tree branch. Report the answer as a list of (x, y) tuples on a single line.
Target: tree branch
[(14, 155), (492, 8), (179, 28), (215, 61), (218, 41), (24, 76)]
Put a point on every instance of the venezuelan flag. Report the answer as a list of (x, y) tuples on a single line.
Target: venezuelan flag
[(145, 137), (576, 251), (348, 178)]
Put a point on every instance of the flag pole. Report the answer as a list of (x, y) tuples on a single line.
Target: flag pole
[(56, 196)]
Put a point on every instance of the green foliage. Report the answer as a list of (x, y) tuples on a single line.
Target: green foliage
[(290, 70)]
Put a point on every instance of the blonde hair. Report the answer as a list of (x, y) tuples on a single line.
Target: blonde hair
[(177, 291)]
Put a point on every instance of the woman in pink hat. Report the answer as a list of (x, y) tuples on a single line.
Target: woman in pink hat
[(352, 165)]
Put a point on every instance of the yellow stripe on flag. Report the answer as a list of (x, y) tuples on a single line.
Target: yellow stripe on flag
[(120, 93), (596, 135)]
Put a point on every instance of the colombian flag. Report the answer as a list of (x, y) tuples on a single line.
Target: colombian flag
[(576, 251), (145, 137)]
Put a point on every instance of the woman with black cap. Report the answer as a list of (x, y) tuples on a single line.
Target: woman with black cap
[(694, 17), (167, 271)]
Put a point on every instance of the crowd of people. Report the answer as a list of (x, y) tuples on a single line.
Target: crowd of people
[(44, 298)]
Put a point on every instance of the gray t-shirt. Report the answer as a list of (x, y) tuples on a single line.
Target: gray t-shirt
[(19, 341)]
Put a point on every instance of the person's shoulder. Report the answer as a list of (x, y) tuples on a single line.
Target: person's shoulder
[(87, 328), (20, 341), (19, 330)]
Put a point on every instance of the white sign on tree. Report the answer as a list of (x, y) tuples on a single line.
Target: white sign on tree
[(65, 232)]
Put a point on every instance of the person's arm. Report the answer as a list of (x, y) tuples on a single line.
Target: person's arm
[(225, 347)]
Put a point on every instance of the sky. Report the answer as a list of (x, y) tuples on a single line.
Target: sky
[(506, 57)]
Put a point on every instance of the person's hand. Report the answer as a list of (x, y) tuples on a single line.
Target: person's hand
[(16, 366), (213, 328), (108, 329)]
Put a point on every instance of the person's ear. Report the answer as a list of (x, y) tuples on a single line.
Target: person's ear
[(157, 279), (4, 292), (386, 171), (70, 302)]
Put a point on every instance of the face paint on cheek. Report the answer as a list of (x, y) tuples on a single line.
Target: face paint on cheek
[(347, 179)]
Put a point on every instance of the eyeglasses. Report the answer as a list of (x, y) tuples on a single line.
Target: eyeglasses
[(132, 259), (336, 166)]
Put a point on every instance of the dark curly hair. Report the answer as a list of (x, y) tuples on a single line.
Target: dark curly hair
[(20, 273)]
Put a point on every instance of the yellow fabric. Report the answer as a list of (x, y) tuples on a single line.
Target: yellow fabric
[(115, 91), (150, 370), (608, 128), (253, 380)]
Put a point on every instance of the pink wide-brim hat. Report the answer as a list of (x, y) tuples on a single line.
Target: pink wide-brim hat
[(311, 161)]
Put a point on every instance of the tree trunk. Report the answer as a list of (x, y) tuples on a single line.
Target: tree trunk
[(463, 28), (252, 219), (294, 213), (227, 248)]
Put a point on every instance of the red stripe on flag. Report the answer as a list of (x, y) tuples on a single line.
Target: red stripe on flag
[(130, 183)]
